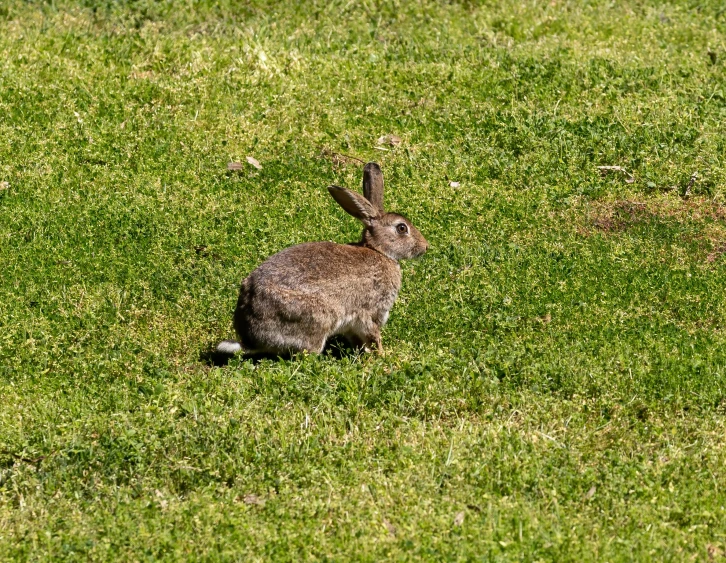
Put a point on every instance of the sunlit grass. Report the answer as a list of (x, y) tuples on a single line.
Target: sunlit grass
[(553, 383)]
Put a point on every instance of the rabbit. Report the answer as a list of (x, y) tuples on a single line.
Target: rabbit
[(303, 295)]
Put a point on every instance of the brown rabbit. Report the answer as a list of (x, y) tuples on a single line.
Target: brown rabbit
[(300, 297)]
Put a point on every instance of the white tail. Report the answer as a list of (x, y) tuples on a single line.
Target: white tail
[(229, 347)]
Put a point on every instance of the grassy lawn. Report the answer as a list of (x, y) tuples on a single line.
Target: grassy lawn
[(554, 382)]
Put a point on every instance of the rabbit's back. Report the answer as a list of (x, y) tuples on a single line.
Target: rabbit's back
[(306, 293)]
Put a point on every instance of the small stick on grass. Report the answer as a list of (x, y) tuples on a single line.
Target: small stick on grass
[(31, 460), (687, 191), (629, 178), (327, 152)]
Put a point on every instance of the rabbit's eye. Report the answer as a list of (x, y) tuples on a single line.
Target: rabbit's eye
[(402, 228)]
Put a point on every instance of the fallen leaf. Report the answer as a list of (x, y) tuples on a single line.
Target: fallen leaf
[(253, 499), (162, 502), (605, 169), (454, 184), (4, 185), (254, 162), (589, 494), (144, 74), (393, 140), (459, 518), (234, 166)]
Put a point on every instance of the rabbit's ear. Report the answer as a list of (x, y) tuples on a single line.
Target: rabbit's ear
[(373, 185), (355, 204)]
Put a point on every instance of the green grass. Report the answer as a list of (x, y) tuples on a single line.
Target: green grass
[(554, 383)]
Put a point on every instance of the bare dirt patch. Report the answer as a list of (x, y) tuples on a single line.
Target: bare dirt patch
[(622, 214), (705, 218), (619, 216)]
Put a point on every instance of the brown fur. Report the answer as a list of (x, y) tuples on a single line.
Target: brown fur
[(302, 296)]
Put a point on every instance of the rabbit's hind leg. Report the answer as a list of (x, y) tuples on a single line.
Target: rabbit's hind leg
[(375, 339), (366, 335)]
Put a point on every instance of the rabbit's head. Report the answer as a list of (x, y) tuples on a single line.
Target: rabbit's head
[(388, 233)]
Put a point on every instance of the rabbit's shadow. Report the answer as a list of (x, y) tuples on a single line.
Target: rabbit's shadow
[(337, 347)]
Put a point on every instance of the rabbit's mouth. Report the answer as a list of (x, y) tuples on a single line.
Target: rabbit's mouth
[(418, 252)]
